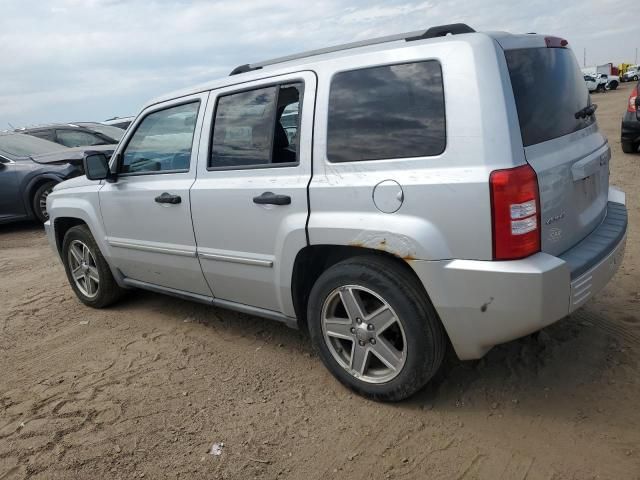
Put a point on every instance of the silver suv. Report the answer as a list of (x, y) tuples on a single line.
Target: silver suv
[(442, 188)]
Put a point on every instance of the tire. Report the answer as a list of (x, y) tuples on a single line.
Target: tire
[(629, 147), (97, 294), (415, 337), (39, 200), (613, 85), (635, 78), (600, 88)]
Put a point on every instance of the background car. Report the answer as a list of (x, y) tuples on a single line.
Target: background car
[(631, 75), (29, 169), (630, 132), (595, 84), (77, 134)]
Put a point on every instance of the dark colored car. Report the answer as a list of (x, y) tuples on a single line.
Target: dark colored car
[(630, 137), (29, 169), (82, 134)]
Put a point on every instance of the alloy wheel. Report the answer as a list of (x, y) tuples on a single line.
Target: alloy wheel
[(84, 269), (364, 334)]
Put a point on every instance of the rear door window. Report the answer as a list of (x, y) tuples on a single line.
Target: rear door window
[(392, 111), (549, 89), (257, 128)]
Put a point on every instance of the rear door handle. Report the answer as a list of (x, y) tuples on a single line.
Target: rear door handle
[(270, 198), (168, 198)]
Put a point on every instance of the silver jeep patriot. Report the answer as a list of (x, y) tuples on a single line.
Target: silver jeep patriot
[(395, 197)]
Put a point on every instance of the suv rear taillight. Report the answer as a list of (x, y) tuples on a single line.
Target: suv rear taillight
[(515, 211), (632, 100)]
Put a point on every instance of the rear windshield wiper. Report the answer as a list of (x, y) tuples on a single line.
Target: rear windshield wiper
[(586, 111)]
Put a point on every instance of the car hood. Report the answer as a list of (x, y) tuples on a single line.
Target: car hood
[(72, 155)]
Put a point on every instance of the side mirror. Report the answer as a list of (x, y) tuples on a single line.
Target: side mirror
[(96, 166)]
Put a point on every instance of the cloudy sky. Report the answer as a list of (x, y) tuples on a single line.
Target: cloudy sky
[(73, 60)]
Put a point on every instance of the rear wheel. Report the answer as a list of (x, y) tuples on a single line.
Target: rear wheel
[(375, 329), (613, 85), (635, 78), (87, 270), (39, 201), (629, 147)]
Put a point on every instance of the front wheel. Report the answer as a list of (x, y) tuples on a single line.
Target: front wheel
[(87, 270), (375, 329), (39, 201)]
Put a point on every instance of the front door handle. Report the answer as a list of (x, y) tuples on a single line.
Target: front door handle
[(270, 198), (168, 198)]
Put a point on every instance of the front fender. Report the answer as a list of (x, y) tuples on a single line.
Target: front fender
[(82, 204)]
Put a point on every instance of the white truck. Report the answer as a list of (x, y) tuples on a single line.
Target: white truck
[(605, 74), (632, 74), (595, 83)]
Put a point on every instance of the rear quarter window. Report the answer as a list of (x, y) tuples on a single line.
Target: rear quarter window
[(386, 112)]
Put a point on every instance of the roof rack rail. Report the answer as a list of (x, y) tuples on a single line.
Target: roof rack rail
[(433, 32), (443, 31), (243, 69)]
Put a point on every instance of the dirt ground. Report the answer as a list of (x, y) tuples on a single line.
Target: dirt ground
[(144, 389)]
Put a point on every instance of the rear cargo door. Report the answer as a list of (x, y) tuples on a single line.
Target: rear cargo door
[(562, 143)]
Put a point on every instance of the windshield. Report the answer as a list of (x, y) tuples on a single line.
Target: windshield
[(21, 145), (549, 89), (108, 130)]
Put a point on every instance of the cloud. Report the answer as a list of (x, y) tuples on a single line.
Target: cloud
[(91, 59)]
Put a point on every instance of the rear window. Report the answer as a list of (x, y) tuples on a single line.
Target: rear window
[(393, 111), (549, 89)]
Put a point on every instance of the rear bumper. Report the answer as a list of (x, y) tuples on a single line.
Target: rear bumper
[(485, 303)]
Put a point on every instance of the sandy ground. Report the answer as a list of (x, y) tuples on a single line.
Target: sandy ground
[(145, 388)]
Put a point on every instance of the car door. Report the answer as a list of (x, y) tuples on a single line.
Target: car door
[(146, 212), (11, 204), (249, 202)]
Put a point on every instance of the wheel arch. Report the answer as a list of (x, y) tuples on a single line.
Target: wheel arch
[(32, 186), (312, 260), (62, 225)]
